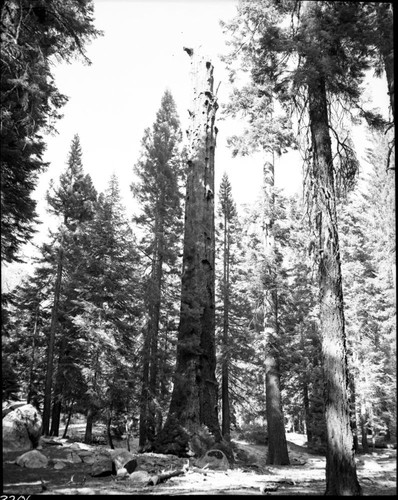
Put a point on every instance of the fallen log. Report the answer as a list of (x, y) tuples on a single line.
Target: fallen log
[(162, 477)]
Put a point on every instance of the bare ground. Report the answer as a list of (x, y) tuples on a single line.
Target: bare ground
[(250, 475)]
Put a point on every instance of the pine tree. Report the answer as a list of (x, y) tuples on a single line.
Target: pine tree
[(32, 35), (159, 172)]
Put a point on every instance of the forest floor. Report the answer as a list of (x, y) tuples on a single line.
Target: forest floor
[(250, 476)]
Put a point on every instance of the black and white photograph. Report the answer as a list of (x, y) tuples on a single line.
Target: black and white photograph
[(198, 248)]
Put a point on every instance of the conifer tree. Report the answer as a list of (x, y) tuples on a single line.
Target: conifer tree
[(270, 133), (73, 201), (298, 315), (227, 213), (368, 262), (158, 189), (108, 310), (32, 35), (317, 56)]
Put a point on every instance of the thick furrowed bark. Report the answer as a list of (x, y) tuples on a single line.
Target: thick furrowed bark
[(341, 477), (194, 398), (277, 446)]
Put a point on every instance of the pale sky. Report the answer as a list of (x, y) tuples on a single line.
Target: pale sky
[(112, 101), (117, 97)]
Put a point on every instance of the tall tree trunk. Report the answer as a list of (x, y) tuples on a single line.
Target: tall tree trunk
[(31, 390), (194, 398), (341, 476), (51, 345), (144, 398), (277, 445), (306, 400), (226, 411), (151, 364), (58, 389), (56, 417), (165, 356), (157, 274)]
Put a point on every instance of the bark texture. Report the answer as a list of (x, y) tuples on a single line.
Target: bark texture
[(194, 397), (277, 445), (341, 477)]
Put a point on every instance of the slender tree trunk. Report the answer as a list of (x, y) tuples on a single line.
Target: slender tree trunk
[(88, 436), (277, 445), (51, 345), (58, 390), (68, 420), (144, 398), (31, 390), (165, 356), (306, 400), (353, 412), (56, 417), (307, 413), (341, 476), (226, 411), (157, 275), (108, 430), (194, 398), (151, 363)]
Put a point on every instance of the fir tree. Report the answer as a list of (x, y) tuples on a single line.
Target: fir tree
[(108, 310), (73, 201), (159, 173), (227, 213)]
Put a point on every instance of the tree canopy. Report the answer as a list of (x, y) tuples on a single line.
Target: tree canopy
[(34, 35)]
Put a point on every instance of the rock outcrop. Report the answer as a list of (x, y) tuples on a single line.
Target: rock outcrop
[(22, 429), (213, 459), (32, 459)]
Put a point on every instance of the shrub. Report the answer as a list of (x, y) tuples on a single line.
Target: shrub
[(254, 434)]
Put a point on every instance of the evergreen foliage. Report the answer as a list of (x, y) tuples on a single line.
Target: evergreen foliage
[(311, 55), (233, 312), (158, 188), (109, 326), (73, 202), (33, 35), (368, 263)]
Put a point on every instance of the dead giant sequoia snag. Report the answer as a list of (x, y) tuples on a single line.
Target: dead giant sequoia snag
[(194, 398)]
